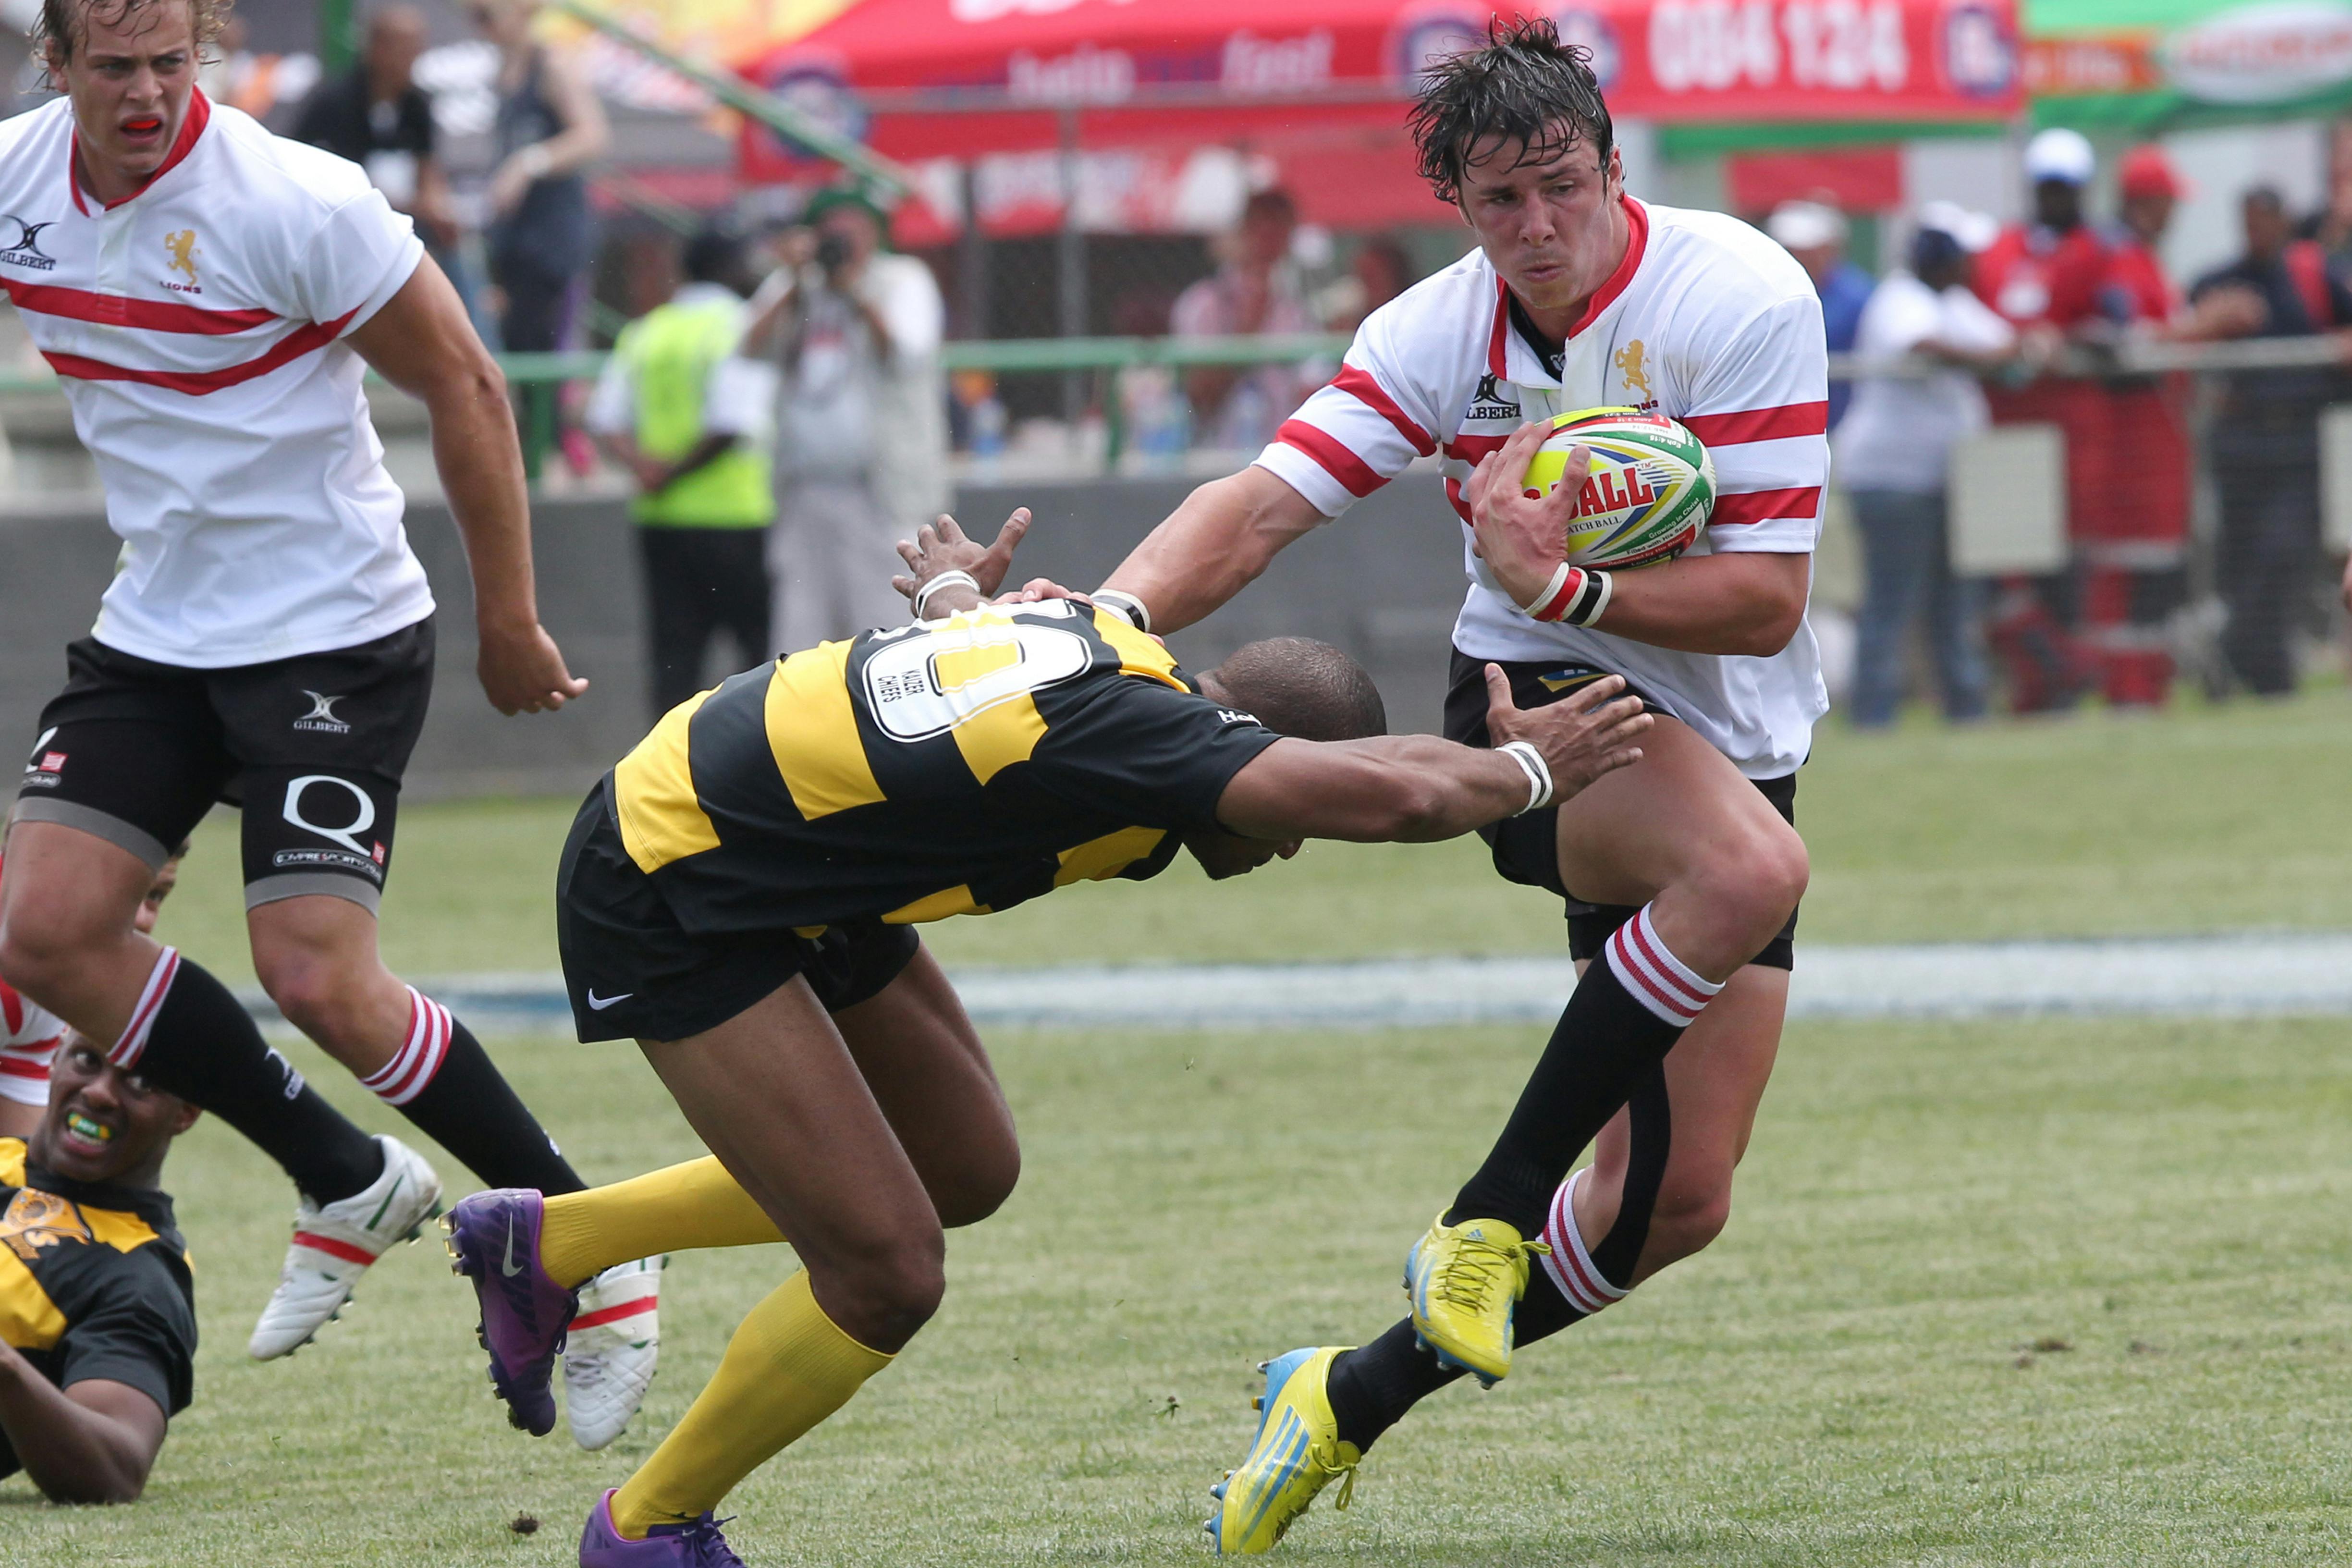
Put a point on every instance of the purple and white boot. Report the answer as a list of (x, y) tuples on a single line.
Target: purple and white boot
[(494, 1242), (695, 1545)]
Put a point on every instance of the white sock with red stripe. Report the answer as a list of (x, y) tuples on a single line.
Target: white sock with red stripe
[(126, 1050), (413, 1066), (1622, 1021), (1570, 1264), (1672, 990)]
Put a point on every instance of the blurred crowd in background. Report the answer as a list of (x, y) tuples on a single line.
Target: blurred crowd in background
[(776, 388)]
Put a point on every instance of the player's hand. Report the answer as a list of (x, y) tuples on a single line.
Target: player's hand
[(1039, 589), (1581, 737), (1522, 538), (523, 670), (942, 546)]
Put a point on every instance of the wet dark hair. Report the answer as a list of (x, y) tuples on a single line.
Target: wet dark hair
[(1523, 86), (62, 22), (1298, 686)]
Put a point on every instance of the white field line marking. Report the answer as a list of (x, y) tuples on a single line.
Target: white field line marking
[(2235, 975)]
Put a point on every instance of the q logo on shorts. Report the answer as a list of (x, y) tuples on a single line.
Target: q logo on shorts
[(369, 857)]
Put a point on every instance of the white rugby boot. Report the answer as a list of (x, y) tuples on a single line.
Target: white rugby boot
[(612, 1345), (334, 1244)]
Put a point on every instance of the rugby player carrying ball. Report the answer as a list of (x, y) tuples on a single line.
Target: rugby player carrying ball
[(1683, 872)]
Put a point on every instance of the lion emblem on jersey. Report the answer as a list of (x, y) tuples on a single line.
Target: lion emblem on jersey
[(182, 243), (35, 1220), (1633, 370)]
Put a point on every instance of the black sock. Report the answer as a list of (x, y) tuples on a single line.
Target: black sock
[(203, 1046), (1631, 1007), (444, 1081), (1371, 1388)]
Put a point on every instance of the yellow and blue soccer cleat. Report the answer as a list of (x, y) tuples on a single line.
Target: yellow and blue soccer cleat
[(1296, 1453), (1465, 1281)]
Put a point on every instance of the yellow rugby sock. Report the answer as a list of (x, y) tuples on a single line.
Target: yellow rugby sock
[(787, 1368), (677, 1209)]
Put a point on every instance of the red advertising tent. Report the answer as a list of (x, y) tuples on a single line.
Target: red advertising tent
[(1319, 86)]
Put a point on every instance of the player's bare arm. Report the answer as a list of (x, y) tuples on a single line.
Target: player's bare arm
[(1417, 789), (422, 343), (1745, 603), (92, 1443), (1214, 546)]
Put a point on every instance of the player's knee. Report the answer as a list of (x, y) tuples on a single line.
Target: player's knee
[(315, 996), (900, 1286), (1687, 1221), (981, 1187), (1756, 886), (37, 955)]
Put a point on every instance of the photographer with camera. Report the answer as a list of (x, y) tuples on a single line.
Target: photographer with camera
[(861, 416)]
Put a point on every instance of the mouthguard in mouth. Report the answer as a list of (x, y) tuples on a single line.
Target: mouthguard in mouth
[(140, 127), (83, 1127)]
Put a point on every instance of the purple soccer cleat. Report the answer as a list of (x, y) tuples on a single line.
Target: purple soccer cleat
[(695, 1545), (494, 1242)]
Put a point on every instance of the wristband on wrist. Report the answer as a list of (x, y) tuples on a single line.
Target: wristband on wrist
[(944, 580), (1576, 596), (1125, 605), (1538, 773)]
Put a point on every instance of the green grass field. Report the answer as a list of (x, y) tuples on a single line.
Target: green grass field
[(2062, 1292), (2101, 826)]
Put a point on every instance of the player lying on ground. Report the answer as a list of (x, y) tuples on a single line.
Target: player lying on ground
[(1682, 871), (30, 1034), (97, 1319), (739, 895), (211, 296)]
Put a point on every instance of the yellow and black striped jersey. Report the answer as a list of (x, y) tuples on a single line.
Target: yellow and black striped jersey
[(93, 1284), (944, 768)]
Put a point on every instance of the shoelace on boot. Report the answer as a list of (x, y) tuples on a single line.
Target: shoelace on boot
[(706, 1548), (1469, 1275)]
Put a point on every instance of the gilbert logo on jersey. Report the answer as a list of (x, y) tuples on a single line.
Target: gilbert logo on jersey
[(1488, 402), (24, 249)]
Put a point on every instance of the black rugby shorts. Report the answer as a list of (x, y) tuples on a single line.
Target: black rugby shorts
[(633, 973), (311, 747), (1527, 848)]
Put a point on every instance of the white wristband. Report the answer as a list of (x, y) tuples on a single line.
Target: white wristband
[(944, 580), (1538, 773), (1125, 605)]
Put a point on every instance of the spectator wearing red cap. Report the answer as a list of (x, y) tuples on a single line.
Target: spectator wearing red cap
[(2133, 547)]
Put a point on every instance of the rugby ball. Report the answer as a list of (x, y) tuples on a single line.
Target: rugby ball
[(1646, 495)]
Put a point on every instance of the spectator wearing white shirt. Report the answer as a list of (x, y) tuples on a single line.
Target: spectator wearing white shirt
[(861, 419), (1893, 454)]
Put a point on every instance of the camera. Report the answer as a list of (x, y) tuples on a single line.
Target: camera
[(832, 253)]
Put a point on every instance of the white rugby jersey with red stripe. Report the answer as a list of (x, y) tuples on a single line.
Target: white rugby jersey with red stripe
[(29, 1037), (1706, 320), (199, 328)]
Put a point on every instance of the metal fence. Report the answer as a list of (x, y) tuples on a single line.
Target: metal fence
[(2186, 522)]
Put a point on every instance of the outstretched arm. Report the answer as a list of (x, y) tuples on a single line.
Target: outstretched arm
[(422, 343), (1213, 546), (94, 1442), (1413, 789)]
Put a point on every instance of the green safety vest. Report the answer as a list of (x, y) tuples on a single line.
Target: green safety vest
[(670, 353)]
